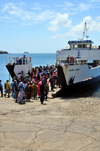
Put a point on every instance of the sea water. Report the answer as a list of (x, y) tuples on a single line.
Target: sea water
[(38, 59)]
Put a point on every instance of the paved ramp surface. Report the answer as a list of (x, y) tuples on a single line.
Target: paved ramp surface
[(62, 124)]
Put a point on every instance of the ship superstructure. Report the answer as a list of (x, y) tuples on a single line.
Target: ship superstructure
[(16, 65)]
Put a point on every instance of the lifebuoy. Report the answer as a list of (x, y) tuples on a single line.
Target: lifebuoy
[(71, 60), (17, 59), (29, 59)]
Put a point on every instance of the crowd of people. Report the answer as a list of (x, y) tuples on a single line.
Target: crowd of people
[(35, 83)]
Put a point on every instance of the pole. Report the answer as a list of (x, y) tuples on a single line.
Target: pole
[(9, 77)]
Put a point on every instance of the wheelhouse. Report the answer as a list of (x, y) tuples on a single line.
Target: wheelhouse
[(82, 44)]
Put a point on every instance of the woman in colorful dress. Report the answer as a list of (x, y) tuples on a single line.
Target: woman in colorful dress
[(21, 94), (28, 91), (39, 88), (35, 90)]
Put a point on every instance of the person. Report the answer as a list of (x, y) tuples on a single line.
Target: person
[(13, 89), (29, 73), (24, 58), (22, 76), (16, 89), (21, 94), (28, 91), (35, 90), (52, 83), (24, 83), (40, 82), (99, 47), (19, 76), (46, 90), (42, 92), (7, 88), (32, 82), (28, 78), (12, 86), (38, 77), (1, 88)]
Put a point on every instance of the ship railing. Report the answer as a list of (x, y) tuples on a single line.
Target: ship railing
[(18, 61), (68, 62)]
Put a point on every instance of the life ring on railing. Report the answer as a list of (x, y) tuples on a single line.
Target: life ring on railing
[(71, 60), (17, 59), (29, 59)]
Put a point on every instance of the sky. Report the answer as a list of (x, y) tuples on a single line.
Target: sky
[(42, 26)]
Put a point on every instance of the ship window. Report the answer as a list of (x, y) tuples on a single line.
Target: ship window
[(79, 46), (83, 45), (74, 46), (87, 46)]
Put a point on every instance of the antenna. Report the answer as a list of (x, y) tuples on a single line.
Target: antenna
[(87, 37), (85, 29)]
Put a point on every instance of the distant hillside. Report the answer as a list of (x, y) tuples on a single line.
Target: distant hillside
[(3, 52)]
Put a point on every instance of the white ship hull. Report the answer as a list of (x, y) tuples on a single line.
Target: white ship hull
[(76, 75)]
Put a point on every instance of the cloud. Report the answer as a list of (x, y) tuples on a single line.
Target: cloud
[(84, 7), (45, 15), (66, 5), (77, 30), (69, 6), (92, 25), (6, 7), (94, 0), (59, 21), (54, 28), (18, 13), (98, 18), (36, 6), (98, 26)]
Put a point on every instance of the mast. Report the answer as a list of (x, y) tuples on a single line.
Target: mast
[(85, 29)]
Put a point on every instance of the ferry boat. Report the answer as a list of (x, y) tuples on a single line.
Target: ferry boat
[(26, 52), (17, 65), (79, 65)]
